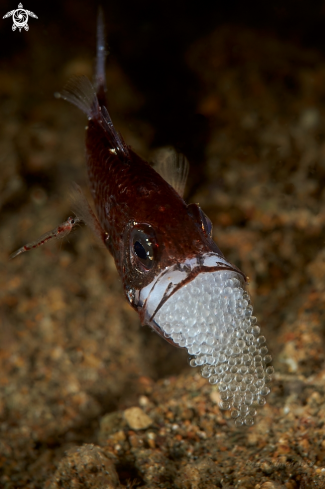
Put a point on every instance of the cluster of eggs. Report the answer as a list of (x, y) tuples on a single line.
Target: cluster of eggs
[(211, 317)]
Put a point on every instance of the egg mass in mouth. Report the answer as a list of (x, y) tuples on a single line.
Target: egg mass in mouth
[(211, 317)]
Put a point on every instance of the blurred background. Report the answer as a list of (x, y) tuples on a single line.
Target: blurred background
[(239, 88)]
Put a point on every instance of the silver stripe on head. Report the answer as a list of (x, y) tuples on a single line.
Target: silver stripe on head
[(164, 285)]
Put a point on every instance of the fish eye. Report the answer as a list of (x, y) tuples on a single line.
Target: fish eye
[(143, 248), (201, 218), (140, 251)]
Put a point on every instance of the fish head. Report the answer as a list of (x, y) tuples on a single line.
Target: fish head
[(165, 252), (194, 298)]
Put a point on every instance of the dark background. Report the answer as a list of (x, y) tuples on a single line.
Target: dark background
[(149, 40)]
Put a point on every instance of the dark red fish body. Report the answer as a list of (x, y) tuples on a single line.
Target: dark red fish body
[(173, 273), (130, 195)]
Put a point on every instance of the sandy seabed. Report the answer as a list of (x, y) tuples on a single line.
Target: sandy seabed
[(89, 398)]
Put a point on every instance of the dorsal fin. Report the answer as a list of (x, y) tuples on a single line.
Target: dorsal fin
[(100, 77), (80, 92), (173, 167)]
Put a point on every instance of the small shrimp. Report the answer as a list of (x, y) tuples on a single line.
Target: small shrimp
[(59, 232)]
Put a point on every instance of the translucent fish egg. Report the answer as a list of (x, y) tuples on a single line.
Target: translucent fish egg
[(212, 317)]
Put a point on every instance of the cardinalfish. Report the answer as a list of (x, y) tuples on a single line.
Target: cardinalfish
[(173, 273)]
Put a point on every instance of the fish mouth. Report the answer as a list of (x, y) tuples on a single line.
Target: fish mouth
[(207, 311), (152, 297)]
